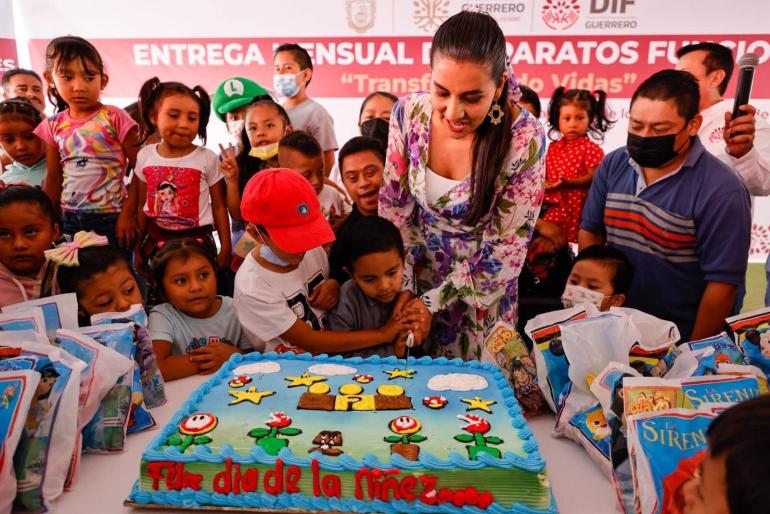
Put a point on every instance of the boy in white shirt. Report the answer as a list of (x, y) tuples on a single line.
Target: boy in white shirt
[(281, 290)]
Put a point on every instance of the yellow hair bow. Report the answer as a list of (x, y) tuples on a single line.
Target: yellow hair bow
[(66, 254)]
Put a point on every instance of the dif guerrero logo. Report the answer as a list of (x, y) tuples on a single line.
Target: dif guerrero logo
[(561, 14)]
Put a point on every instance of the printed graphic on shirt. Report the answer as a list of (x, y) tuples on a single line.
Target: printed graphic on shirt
[(173, 196), (200, 342), (300, 305), (716, 135)]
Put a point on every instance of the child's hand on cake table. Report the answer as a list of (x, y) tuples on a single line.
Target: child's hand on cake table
[(417, 310), (209, 358), (326, 295)]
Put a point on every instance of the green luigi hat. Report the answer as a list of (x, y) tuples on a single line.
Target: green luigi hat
[(233, 93)]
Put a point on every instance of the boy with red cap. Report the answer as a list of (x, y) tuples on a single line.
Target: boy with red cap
[(282, 291)]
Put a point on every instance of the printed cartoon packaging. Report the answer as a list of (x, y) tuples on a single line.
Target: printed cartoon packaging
[(666, 448), (504, 348), (104, 369), (17, 389), (60, 311), (31, 319), (751, 332), (44, 453), (591, 430), (121, 337), (726, 350), (545, 332), (149, 373)]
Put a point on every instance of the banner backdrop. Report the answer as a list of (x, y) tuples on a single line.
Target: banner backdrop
[(360, 46), (8, 57)]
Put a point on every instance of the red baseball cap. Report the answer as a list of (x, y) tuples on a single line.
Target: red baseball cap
[(284, 202)]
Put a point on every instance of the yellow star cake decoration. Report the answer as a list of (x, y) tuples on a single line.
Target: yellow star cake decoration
[(477, 403), (400, 373), (249, 395), (306, 379)]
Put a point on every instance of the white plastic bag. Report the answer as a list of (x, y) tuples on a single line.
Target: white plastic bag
[(60, 311), (545, 332), (17, 388), (27, 320)]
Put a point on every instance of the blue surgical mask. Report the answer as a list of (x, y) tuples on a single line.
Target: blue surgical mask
[(266, 253), (286, 84)]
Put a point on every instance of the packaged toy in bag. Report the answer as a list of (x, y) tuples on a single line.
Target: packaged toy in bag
[(121, 337), (31, 319), (589, 345), (104, 369), (751, 332), (149, 373), (60, 311), (43, 456), (591, 430), (505, 349), (545, 332), (725, 348), (666, 449), (17, 389)]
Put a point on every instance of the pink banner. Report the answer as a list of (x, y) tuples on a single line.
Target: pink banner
[(8, 57), (356, 66)]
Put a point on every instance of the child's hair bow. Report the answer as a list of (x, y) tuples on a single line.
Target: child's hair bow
[(66, 254)]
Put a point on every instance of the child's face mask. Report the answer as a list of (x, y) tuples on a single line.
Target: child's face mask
[(576, 295), (235, 127), (286, 84), (266, 253), (265, 152)]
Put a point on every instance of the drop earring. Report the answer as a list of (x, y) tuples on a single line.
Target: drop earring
[(495, 114)]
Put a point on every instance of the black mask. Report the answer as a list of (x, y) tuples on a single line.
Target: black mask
[(653, 151), (376, 128)]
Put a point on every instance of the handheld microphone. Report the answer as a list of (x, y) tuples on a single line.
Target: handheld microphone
[(746, 66)]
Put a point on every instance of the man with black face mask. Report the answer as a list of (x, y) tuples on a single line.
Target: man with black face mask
[(681, 216)]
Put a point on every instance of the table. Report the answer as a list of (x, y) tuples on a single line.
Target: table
[(105, 480)]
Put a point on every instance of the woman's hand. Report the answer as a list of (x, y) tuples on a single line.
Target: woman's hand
[(553, 186)]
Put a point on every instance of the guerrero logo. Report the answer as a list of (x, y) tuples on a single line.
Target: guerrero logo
[(360, 14), (429, 14), (561, 14)]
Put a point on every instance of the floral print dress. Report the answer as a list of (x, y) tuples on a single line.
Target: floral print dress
[(467, 276)]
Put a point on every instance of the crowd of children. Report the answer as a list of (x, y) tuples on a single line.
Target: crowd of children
[(140, 213)]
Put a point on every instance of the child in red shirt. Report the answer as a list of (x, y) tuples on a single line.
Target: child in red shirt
[(572, 158)]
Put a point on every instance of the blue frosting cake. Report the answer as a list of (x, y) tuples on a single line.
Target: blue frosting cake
[(355, 435)]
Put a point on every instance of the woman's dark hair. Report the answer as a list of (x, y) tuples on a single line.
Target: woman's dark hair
[(92, 260), (20, 109), (368, 235), (528, 95), (152, 93), (178, 249), (742, 435), (361, 144), (677, 85), (63, 50), (243, 155), (623, 270), (389, 96), (22, 193), (594, 103), (476, 37)]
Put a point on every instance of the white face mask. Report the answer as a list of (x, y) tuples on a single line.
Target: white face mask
[(235, 127), (576, 295)]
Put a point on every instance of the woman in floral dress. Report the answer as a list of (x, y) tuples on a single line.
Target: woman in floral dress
[(464, 184)]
